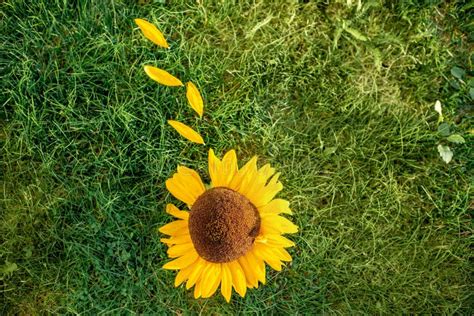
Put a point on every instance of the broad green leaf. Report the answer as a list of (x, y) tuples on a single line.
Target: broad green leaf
[(8, 268), (455, 84), (458, 72), (456, 138), (445, 153), (470, 82), (443, 129)]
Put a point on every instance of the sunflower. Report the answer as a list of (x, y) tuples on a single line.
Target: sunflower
[(233, 227)]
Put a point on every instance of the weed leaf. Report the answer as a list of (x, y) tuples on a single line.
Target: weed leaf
[(443, 129), (456, 138), (445, 153), (7, 268), (458, 72), (438, 109)]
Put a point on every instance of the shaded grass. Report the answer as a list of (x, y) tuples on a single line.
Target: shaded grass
[(385, 224)]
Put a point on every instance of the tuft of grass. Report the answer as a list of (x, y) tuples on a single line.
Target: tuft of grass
[(337, 95)]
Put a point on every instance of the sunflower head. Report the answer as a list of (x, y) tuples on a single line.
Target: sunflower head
[(232, 229), (223, 225)]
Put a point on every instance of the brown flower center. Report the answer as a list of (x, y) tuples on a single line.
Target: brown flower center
[(223, 225)]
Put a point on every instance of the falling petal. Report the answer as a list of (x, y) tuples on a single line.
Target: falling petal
[(152, 33), (163, 77), (186, 131), (194, 98)]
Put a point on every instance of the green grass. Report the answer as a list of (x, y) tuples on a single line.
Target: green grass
[(345, 113)]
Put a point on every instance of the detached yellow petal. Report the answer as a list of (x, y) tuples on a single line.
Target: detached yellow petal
[(194, 98), (163, 77), (187, 132), (152, 33)]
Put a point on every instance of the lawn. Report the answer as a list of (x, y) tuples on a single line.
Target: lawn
[(338, 95)]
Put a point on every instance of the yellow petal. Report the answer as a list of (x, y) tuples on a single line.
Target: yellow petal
[(180, 250), (244, 176), (238, 277), (284, 255), (266, 172), (194, 98), (258, 266), (274, 224), (177, 239), (252, 281), (187, 132), (173, 210), (222, 172), (214, 166), (163, 77), (185, 185), (273, 253), (268, 255), (173, 228), (197, 289), (226, 283), (182, 262), (152, 33), (211, 278), (256, 182), (267, 193), (274, 240), (180, 232), (183, 275), (196, 274), (262, 176), (166, 241), (276, 207)]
